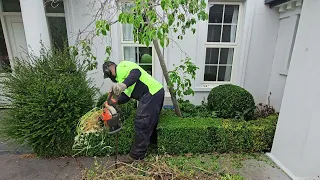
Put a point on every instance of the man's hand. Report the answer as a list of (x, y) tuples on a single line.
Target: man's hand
[(118, 88)]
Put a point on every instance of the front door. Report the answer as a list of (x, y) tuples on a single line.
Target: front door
[(13, 45), (17, 38)]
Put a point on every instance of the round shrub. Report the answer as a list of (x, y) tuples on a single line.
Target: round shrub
[(48, 95), (231, 101)]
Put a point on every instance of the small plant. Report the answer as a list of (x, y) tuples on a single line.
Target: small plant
[(190, 110), (264, 110), (48, 94), (180, 78), (231, 101)]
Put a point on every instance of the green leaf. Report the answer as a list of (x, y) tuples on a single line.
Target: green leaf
[(107, 27), (193, 30), (162, 42), (104, 32), (170, 19), (108, 50)]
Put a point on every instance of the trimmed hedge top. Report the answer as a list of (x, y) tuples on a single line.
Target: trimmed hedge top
[(230, 101), (201, 135)]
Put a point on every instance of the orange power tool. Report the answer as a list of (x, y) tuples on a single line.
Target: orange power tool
[(110, 115)]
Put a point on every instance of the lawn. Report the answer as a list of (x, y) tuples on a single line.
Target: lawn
[(201, 166)]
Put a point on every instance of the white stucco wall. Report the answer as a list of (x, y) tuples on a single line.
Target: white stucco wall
[(78, 16), (265, 27), (285, 40), (296, 145), (253, 59)]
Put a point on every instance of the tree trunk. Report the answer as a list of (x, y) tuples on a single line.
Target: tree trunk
[(166, 76)]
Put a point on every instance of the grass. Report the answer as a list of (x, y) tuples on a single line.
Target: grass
[(199, 166)]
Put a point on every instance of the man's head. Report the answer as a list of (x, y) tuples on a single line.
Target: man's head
[(109, 70)]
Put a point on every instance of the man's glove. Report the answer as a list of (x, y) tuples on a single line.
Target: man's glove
[(118, 88)]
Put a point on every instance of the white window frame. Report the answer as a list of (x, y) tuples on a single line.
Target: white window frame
[(5, 33), (234, 45), (134, 44)]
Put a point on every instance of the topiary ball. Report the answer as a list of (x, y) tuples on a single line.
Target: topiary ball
[(146, 58), (230, 101)]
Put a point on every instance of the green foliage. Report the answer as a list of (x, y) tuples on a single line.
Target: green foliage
[(179, 77), (148, 25), (48, 95), (190, 110), (84, 50), (201, 135), (102, 143), (231, 101)]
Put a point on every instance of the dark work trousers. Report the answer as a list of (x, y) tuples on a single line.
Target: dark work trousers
[(145, 123)]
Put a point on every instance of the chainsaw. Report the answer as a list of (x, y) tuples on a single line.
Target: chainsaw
[(111, 118), (111, 115)]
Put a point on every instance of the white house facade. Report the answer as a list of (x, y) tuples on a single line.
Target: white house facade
[(266, 46), (244, 42)]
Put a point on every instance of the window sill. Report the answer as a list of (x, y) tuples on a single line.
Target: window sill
[(283, 72), (206, 87)]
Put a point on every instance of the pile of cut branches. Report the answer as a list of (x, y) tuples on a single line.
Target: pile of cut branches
[(155, 170), (91, 134)]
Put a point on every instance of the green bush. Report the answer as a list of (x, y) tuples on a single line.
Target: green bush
[(200, 135), (48, 95), (102, 143), (191, 110), (231, 101)]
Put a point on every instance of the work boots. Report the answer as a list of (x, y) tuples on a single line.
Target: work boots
[(128, 159)]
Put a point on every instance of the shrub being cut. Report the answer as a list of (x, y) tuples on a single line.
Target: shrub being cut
[(92, 137), (48, 95)]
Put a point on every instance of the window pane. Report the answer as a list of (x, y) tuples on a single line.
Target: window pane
[(214, 33), (226, 56), (212, 55), (11, 6), (231, 14), (210, 73), (58, 31), (147, 68), (54, 7), (145, 55), (229, 33), (4, 58), (139, 55), (224, 73), (127, 30), (215, 13)]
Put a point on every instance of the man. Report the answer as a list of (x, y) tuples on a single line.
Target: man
[(131, 81)]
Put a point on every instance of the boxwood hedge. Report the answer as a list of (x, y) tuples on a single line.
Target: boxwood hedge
[(200, 135), (194, 135)]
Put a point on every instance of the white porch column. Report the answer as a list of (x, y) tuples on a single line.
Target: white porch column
[(296, 146), (35, 24)]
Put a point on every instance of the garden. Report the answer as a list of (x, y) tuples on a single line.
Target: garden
[(54, 107), (51, 94)]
